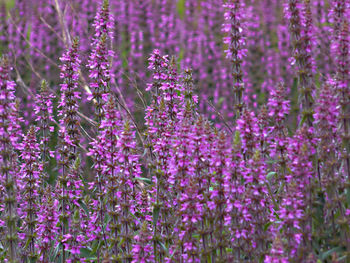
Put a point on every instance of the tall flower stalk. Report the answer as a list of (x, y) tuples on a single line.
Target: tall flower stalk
[(129, 169), (69, 131), (46, 227), (44, 112), (29, 184), (8, 169), (300, 31), (236, 47), (99, 62), (343, 87)]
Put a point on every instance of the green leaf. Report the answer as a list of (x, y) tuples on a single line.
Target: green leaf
[(221, 100), (276, 215), (181, 8), (27, 244), (181, 55), (317, 80), (76, 215), (347, 193), (9, 4), (144, 179), (55, 253), (303, 119), (155, 215), (237, 139), (85, 252), (172, 255), (164, 247), (342, 258), (96, 246), (270, 175), (84, 207), (328, 253), (135, 217), (106, 220), (267, 225), (196, 236)]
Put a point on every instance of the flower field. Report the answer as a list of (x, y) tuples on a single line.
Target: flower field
[(165, 131)]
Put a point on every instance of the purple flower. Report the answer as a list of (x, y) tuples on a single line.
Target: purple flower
[(142, 250), (46, 228), (248, 128), (276, 253)]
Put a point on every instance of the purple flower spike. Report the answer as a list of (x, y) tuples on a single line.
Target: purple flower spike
[(29, 184), (44, 112), (99, 60), (236, 52), (8, 169)]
